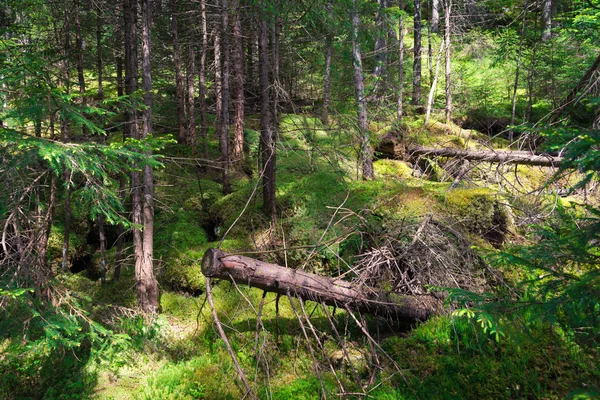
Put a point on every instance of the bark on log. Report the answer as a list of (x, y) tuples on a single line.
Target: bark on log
[(504, 157), (393, 149), (307, 286)]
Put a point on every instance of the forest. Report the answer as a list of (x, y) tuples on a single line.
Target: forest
[(308, 199)]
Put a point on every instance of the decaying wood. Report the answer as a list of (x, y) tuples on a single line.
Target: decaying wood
[(503, 157), (307, 286), (392, 148)]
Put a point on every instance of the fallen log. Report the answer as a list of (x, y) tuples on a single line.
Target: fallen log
[(321, 289), (392, 148), (492, 156)]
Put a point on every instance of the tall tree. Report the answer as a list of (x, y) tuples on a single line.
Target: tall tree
[(416, 97), (447, 32), (400, 106), (380, 50), (266, 140), (202, 77), (435, 15), (366, 153), (517, 71), (181, 135), (328, 57), (547, 20), (237, 152), (224, 115), (147, 287), (191, 93)]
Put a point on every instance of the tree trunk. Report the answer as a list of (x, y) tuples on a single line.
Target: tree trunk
[(202, 78), (321, 289), (276, 84), (99, 52), (547, 20), (327, 77), (266, 139), (178, 74), (416, 97), (224, 125), (102, 235), (503, 157), (518, 68), (447, 32), (400, 60), (42, 269), (79, 51), (147, 287), (191, 94), (366, 153), (238, 87), (65, 128), (431, 96), (121, 233), (435, 15), (218, 82), (379, 69)]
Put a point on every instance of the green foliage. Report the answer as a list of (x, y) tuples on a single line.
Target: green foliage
[(45, 339)]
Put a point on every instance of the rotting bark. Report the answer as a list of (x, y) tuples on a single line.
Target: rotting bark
[(392, 150), (307, 286)]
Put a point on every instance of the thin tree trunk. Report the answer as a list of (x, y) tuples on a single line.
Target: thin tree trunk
[(202, 78), (530, 84), (79, 50), (518, 68), (100, 220), (266, 142), (366, 156), (126, 133), (547, 20), (327, 77), (102, 235), (447, 32), (224, 125), (435, 15), (42, 271), (178, 74), (191, 93), (400, 60), (99, 53), (434, 83), (65, 134), (120, 233), (379, 69), (218, 82), (276, 85), (147, 287), (416, 97), (429, 53), (238, 87)]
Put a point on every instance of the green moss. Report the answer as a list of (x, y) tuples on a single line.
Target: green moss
[(392, 168), (478, 211), (204, 377), (77, 243)]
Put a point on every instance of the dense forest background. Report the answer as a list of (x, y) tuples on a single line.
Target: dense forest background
[(433, 164)]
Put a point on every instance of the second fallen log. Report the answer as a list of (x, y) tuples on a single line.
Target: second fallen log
[(307, 286)]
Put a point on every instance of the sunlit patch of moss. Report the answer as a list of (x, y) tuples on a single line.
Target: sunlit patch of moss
[(392, 168)]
